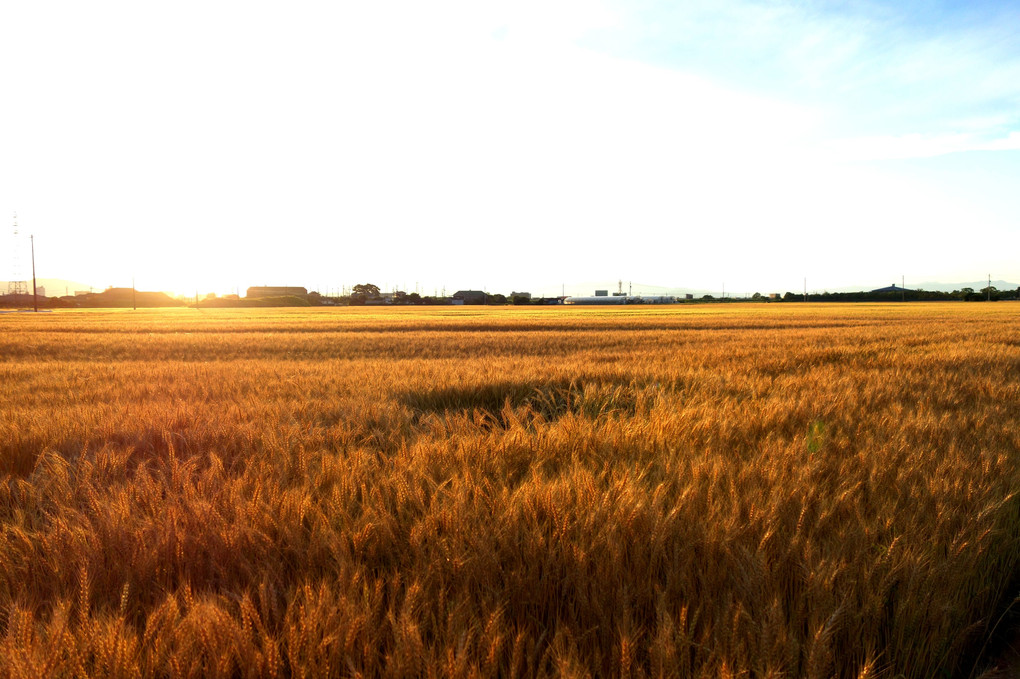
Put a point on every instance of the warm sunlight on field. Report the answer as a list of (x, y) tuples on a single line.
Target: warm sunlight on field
[(707, 491)]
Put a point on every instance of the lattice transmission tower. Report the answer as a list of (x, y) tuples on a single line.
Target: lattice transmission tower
[(17, 285)]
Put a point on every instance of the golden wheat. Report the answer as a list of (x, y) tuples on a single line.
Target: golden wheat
[(767, 491)]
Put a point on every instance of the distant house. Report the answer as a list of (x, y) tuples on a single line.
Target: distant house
[(276, 291), (890, 288), (469, 297)]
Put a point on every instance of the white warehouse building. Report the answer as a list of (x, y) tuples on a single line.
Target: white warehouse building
[(621, 299)]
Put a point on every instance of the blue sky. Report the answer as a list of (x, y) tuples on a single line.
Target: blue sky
[(889, 68), (523, 145)]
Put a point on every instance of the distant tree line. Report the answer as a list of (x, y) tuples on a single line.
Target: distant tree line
[(966, 295), (369, 293)]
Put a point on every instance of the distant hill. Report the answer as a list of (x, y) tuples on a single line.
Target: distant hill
[(976, 285)]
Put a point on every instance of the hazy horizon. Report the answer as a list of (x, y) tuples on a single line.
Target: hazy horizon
[(503, 145), (60, 287)]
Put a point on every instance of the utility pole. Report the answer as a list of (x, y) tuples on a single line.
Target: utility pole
[(35, 297), (805, 288)]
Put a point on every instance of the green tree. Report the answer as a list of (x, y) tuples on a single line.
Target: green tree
[(366, 290)]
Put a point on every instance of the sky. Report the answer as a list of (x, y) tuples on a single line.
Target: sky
[(535, 145)]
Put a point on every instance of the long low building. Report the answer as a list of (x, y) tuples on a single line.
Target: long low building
[(621, 299), (600, 299)]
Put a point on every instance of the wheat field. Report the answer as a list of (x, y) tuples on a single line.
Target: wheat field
[(789, 490)]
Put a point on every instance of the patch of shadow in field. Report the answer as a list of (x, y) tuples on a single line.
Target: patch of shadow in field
[(502, 403)]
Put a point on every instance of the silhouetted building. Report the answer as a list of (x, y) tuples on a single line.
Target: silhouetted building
[(469, 297), (891, 288), (118, 293)]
